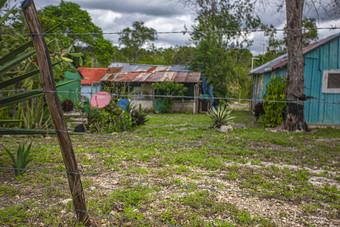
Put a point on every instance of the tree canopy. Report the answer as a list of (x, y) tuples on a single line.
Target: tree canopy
[(136, 37), (72, 19)]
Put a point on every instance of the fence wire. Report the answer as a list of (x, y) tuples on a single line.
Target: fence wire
[(27, 131), (143, 97), (194, 187), (29, 204)]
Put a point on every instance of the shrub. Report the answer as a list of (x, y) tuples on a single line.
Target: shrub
[(67, 105), (220, 116), (21, 160), (274, 111), (138, 116), (164, 104), (258, 110)]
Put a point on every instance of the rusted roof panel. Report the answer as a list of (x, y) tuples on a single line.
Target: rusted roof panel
[(162, 69), (123, 72), (142, 77), (169, 76), (181, 77), (193, 77), (155, 77), (127, 77)]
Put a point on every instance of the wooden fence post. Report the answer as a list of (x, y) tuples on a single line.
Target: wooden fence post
[(54, 107)]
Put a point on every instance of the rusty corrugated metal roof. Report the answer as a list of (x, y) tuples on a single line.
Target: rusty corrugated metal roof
[(150, 73)]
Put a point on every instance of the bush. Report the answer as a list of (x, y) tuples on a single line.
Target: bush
[(220, 116), (67, 105), (274, 111), (138, 116), (164, 104)]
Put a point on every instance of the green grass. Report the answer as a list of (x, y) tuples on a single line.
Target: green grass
[(141, 160)]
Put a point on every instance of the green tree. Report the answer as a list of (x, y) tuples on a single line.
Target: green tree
[(212, 55), (136, 37), (75, 20)]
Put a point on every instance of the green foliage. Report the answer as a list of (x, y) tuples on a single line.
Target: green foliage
[(164, 104), (21, 160), (134, 38), (75, 20), (274, 111), (220, 116), (138, 116), (214, 54)]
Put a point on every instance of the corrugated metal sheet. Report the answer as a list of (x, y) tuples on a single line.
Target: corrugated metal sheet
[(283, 60), (92, 74), (150, 73)]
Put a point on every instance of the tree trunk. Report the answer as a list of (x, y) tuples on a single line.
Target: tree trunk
[(54, 107), (295, 80)]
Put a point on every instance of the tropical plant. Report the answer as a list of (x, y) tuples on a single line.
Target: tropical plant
[(220, 116), (164, 104), (274, 111), (21, 160)]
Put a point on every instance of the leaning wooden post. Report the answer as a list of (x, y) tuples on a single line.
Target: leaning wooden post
[(53, 104)]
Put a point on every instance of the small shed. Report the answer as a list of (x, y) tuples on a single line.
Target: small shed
[(321, 79), (137, 79), (90, 84)]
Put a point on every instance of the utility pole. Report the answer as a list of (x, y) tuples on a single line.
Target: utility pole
[(54, 108)]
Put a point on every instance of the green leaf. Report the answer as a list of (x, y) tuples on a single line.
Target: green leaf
[(2, 19), (15, 61), (12, 55)]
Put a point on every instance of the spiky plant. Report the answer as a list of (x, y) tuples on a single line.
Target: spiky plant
[(21, 160), (220, 116)]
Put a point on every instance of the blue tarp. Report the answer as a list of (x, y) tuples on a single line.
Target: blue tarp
[(207, 89)]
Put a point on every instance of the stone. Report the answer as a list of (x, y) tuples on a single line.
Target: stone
[(92, 188), (66, 201), (226, 128), (183, 129)]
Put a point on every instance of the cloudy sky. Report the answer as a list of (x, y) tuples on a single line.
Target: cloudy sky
[(172, 15)]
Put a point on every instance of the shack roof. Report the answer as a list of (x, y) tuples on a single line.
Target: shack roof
[(91, 75), (282, 61), (126, 73)]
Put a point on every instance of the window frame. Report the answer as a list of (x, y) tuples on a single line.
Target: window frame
[(325, 88)]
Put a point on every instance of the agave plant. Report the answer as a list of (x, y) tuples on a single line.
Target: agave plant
[(220, 116), (21, 160)]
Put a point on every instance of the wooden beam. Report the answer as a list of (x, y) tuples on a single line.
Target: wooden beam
[(54, 107)]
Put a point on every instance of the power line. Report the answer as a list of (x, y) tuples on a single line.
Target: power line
[(177, 185), (25, 131), (183, 32)]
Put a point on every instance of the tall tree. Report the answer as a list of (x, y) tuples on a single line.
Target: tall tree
[(76, 20), (136, 37), (221, 25), (295, 79)]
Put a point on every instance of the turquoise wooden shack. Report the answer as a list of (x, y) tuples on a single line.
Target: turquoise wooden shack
[(321, 75)]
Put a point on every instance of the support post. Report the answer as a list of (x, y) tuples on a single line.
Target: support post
[(54, 107)]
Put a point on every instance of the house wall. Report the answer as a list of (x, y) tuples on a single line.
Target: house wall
[(326, 57), (86, 90), (72, 89)]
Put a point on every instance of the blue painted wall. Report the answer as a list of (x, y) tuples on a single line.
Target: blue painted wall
[(86, 90), (326, 57)]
